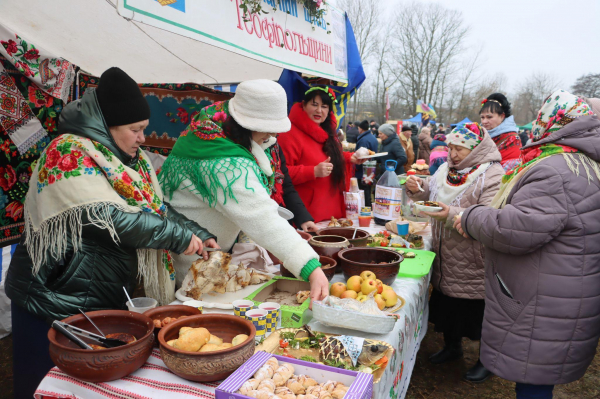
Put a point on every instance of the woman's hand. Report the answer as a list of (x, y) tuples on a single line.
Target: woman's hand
[(441, 215), (458, 226), (324, 168), (319, 285), (210, 243), (413, 183), (309, 226), (194, 247), (355, 160)]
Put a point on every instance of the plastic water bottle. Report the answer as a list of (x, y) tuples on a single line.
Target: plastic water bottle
[(388, 195)]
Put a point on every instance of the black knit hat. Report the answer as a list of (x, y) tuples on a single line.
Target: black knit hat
[(120, 98)]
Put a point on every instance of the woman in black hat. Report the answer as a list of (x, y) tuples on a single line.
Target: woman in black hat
[(95, 220)]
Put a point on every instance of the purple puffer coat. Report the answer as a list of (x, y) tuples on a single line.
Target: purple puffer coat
[(542, 312)]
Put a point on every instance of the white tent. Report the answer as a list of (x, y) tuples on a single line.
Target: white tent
[(92, 35)]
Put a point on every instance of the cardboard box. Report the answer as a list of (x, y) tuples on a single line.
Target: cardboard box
[(361, 384), (293, 315)]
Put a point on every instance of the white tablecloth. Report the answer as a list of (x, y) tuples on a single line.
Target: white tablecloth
[(154, 380)]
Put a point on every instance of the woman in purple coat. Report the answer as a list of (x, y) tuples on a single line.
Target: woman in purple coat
[(542, 238)]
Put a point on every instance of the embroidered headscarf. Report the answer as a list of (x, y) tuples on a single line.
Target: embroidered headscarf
[(468, 136), (559, 109)]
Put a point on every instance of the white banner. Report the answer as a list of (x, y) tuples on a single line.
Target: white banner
[(284, 38)]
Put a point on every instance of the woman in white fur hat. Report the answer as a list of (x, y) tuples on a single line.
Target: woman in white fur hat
[(219, 173)]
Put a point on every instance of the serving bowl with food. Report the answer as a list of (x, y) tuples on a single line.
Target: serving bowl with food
[(385, 263), (356, 237), (427, 206), (328, 266), (104, 364), (206, 347), (164, 315)]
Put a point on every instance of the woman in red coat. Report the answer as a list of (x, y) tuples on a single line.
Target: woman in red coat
[(319, 168)]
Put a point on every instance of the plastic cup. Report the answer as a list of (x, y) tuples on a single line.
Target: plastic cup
[(258, 317), (364, 221), (272, 309), (402, 228), (141, 304), (241, 306)]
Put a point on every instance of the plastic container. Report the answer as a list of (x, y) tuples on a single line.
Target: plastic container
[(141, 304), (402, 228), (388, 195)]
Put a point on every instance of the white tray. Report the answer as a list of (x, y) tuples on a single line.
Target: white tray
[(424, 208), (379, 154), (219, 301)]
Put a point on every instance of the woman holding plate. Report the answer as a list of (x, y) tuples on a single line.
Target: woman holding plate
[(471, 176)]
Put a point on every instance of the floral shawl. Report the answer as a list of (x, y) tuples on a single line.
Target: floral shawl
[(75, 175)]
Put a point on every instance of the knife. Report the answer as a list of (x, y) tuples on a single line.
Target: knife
[(212, 249)]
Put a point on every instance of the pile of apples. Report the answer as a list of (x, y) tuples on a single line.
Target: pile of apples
[(359, 287)]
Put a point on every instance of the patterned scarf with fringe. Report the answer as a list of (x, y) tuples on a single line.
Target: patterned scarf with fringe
[(204, 156), (559, 109), (76, 175)]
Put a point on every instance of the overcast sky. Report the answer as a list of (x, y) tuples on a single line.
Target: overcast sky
[(519, 37)]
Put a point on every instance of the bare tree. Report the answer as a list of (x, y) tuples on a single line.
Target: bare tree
[(365, 17), (531, 94), (428, 39), (587, 85)]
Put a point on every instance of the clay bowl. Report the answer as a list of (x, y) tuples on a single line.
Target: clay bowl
[(208, 366), (302, 234), (175, 311), (328, 245), (104, 364), (354, 261), (325, 260), (360, 239)]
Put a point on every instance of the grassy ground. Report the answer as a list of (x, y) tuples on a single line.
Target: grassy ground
[(428, 381)]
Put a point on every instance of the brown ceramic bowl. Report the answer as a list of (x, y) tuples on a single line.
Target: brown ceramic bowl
[(325, 260), (208, 366), (163, 312), (360, 239), (104, 364), (328, 245), (354, 261), (302, 234)]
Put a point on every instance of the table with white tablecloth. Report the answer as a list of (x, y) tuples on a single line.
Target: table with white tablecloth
[(155, 380)]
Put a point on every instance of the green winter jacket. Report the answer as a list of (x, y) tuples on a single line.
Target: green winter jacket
[(92, 278)]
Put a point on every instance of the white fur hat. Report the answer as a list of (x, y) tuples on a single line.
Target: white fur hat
[(260, 106)]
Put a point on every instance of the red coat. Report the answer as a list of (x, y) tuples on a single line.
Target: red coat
[(303, 150)]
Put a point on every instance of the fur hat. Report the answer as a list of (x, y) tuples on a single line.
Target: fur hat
[(260, 106)]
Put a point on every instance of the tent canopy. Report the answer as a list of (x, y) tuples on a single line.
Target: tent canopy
[(463, 122), (92, 35), (527, 126), (418, 119)]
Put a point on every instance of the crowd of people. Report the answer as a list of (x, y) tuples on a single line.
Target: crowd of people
[(517, 263)]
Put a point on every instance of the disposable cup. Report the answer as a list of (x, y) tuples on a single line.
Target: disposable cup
[(273, 311), (258, 317), (141, 304), (241, 306)]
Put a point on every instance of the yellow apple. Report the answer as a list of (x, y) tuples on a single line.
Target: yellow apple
[(349, 294), (379, 286), (380, 301), (368, 286), (363, 298), (390, 297), (337, 289), (354, 283), (368, 275)]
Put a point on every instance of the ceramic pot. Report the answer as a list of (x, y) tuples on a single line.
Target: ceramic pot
[(109, 364), (354, 261), (360, 240), (208, 366), (324, 260), (174, 311)]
